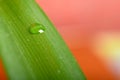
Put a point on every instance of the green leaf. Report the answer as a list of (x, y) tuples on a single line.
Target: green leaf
[(29, 55)]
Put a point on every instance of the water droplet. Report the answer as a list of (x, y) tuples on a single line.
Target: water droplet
[(37, 28)]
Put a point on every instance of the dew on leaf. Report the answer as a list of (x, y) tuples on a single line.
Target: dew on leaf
[(37, 28)]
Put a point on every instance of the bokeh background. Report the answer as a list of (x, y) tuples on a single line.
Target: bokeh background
[(91, 29)]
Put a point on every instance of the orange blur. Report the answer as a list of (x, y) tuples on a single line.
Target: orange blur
[(2, 72), (92, 66)]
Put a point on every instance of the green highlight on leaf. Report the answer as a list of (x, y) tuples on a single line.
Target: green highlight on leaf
[(33, 57)]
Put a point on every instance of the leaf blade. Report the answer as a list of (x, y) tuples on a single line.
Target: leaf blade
[(33, 57)]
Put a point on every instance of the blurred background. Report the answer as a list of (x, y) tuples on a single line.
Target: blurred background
[(91, 29)]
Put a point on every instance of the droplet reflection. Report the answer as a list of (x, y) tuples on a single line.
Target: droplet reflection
[(37, 28)]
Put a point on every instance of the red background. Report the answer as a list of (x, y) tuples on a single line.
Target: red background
[(78, 21)]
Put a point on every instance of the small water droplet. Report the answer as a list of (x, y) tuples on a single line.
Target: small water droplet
[(37, 28)]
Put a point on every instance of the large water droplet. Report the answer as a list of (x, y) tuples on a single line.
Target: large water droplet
[(37, 28)]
